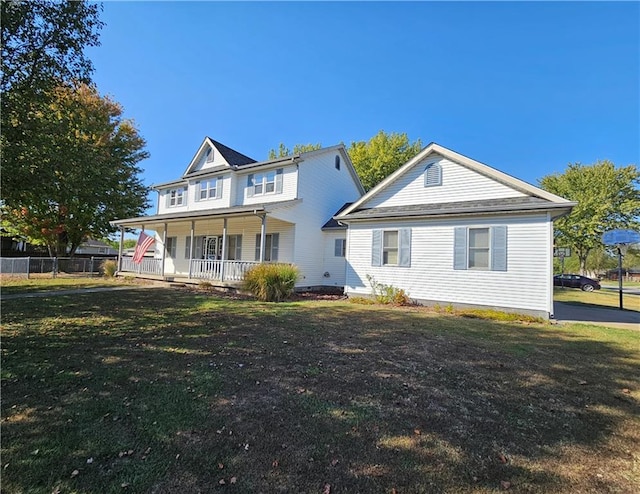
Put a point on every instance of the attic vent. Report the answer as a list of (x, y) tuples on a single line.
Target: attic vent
[(337, 161), (209, 155), (432, 175)]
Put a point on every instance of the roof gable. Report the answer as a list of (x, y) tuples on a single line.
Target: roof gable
[(213, 154), (463, 179)]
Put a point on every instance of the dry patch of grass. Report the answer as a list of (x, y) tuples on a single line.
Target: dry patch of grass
[(605, 298), (11, 285), (169, 391)]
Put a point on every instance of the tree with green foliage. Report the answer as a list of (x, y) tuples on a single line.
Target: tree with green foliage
[(82, 173), (608, 198), (382, 155), (283, 150), (69, 159)]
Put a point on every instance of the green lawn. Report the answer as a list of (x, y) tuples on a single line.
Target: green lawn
[(605, 298), (170, 391)]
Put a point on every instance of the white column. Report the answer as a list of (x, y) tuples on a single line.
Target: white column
[(120, 248), (263, 235), (224, 248), (193, 224), (164, 249)]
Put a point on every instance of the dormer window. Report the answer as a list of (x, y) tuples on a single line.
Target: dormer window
[(209, 155), (432, 175)]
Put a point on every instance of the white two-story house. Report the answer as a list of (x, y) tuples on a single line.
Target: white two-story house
[(228, 212)]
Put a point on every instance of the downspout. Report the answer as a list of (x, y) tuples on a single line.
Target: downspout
[(550, 269)]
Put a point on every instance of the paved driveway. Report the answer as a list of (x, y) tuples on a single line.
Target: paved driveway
[(616, 318)]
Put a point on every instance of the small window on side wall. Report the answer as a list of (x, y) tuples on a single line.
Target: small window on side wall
[(337, 162), (432, 175)]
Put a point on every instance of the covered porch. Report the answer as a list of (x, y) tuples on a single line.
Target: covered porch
[(218, 246)]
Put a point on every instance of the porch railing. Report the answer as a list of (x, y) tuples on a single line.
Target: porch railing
[(147, 266), (220, 270)]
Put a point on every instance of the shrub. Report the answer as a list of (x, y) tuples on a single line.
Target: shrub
[(271, 282), (388, 294), (109, 268)]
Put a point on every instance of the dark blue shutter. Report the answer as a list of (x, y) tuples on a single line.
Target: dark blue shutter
[(376, 248), (460, 248), (498, 248), (258, 247), (275, 239)]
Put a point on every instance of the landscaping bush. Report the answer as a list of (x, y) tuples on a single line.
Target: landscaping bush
[(109, 268), (271, 282), (388, 294)]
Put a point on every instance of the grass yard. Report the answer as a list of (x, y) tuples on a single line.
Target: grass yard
[(167, 391), (10, 286), (605, 298)]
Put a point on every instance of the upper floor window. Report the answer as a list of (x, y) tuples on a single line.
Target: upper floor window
[(432, 175), (209, 155), (209, 189), (176, 197), (337, 162), (269, 182)]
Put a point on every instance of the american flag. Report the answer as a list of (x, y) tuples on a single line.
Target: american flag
[(144, 242)]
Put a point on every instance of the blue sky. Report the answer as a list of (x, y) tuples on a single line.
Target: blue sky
[(523, 87)]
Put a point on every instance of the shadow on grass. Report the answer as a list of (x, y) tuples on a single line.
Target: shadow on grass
[(172, 392)]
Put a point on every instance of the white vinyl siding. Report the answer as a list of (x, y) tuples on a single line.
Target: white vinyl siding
[(458, 184), (432, 275)]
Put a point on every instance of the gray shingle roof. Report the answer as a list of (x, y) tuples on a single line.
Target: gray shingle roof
[(233, 157), (333, 224), (510, 204)]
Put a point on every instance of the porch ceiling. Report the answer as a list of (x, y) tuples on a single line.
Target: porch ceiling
[(236, 211)]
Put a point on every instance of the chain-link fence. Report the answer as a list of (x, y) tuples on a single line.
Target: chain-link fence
[(53, 266)]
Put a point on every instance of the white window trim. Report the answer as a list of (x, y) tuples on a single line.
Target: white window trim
[(211, 192), (176, 197), (477, 249)]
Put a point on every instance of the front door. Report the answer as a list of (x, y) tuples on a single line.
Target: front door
[(213, 248)]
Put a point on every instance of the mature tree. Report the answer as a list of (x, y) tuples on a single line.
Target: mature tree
[(283, 150), (42, 43), (80, 173), (607, 197), (381, 155)]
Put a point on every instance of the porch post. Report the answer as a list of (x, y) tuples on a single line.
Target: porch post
[(120, 248), (141, 263), (263, 235), (193, 224), (164, 249), (224, 247)]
